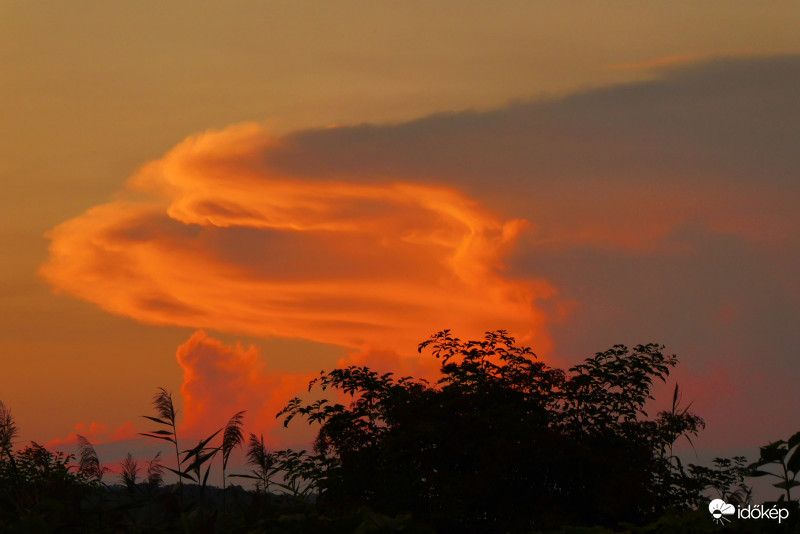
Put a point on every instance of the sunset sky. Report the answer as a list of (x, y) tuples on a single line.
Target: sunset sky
[(225, 198)]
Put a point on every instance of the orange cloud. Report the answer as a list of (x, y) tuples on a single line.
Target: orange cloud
[(97, 434), (220, 380), (220, 241), (94, 432)]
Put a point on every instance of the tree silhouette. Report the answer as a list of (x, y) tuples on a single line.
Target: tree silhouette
[(502, 440)]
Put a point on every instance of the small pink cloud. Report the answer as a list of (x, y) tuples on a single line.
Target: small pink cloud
[(95, 432), (125, 432)]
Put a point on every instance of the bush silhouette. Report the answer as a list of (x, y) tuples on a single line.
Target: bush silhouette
[(502, 441)]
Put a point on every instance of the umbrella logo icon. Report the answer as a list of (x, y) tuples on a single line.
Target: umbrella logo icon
[(719, 509)]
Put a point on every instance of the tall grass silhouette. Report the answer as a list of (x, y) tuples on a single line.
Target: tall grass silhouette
[(264, 462), (129, 472), (165, 408), (88, 462), (232, 437), (8, 431)]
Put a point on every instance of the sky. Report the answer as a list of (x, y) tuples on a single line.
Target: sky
[(222, 199)]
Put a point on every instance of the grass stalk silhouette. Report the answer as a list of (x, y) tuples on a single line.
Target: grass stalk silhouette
[(88, 462), (232, 437), (155, 471), (129, 472), (8, 432), (165, 408), (263, 461)]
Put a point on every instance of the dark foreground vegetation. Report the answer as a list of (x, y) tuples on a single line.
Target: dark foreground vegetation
[(500, 443)]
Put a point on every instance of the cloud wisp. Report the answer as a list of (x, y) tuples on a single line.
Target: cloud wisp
[(222, 242)]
